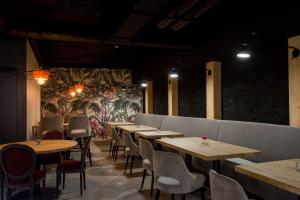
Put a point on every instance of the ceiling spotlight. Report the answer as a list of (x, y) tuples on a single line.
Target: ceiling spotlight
[(117, 47), (173, 73), (244, 52), (144, 84), (123, 88)]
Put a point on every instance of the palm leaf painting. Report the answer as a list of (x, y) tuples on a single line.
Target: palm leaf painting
[(102, 100)]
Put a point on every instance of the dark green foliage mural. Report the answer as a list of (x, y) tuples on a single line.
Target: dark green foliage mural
[(102, 99)]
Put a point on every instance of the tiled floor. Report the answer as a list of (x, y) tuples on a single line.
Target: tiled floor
[(105, 181)]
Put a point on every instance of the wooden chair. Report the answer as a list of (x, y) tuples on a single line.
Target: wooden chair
[(18, 163), (73, 166)]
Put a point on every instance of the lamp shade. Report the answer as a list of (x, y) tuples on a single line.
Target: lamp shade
[(41, 76), (79, 87), (72, 91)]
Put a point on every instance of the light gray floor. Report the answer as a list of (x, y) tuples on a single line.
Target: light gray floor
[(105, 181)]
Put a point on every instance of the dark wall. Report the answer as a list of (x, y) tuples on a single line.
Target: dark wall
[(13, 89)]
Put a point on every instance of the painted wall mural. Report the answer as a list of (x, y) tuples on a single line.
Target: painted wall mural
[(102, 99)]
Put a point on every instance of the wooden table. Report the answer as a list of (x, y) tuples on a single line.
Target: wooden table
[(214, 151), (157, 135), (110, 125), (136, 128), (281, 174), (48, 146)]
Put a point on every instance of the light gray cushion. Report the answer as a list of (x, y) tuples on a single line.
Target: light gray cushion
[(168, 181), (149, 119), (276, 142)]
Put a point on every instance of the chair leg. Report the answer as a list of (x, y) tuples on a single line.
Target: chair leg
[(126, 164), (44, 180), (90, 157), (64, 180), (80, 183), (152, 183), (8, 193), (116, 156), (132, 159), (110, 148), (84, 181), (202, 194), (58, 180), (113, 152), (144, 175), (183, 196), (31, 192), (2, 192), (172, 196), (157, 194)]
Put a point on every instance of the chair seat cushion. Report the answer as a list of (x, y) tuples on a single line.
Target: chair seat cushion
[(78, 132), (38, 176), (168, 181), (69, 165), (147, 164)]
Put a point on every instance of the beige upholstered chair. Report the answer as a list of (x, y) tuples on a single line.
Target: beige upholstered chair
[(172, 175), (48, 124), (117, 143), (225, 188), (131, 150), (146, 152), (79, 128)]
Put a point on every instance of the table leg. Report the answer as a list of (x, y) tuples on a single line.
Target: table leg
[(217, 165)]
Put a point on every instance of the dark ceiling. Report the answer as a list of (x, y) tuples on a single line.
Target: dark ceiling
[(82, 33)]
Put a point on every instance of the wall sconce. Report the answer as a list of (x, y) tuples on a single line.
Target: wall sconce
[(173, 73), (144, 84), (296, 52)]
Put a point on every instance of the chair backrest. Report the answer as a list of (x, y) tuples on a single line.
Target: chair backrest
[(50, 123), (85, 151), (18, 162), (146, 150), (79, 122), (169, 164), (225, 188), (116, 137), (128, 142), (53, 135)]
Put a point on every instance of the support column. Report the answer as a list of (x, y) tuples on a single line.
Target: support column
[(149, 98), (172, 97), (294, 82), (213, 90)]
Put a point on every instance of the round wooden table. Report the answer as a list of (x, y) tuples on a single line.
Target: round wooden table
[(48, 146)]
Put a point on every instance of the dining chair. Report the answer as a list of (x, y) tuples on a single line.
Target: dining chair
[(131, 150), (117, 144), (146, 152), (50, 124), (225, 188), (51, 158), (73, 166), (172, 176), (18, 163), (79, 128)]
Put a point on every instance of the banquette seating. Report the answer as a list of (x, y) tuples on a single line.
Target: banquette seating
[(277, 142)]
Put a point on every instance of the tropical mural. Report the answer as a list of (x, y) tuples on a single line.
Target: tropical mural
[(103, 99)]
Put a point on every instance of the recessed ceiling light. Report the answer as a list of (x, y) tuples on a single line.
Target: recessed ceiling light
[(243, 55), (144, 84), (173, 73), (117, 47)]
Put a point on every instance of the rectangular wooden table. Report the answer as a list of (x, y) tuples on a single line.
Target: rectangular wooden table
[(110, 125), (214, 151), (281, 174), (157, 135), (136, 128)]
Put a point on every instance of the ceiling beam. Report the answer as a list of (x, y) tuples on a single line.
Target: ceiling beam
[(81, 39)]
